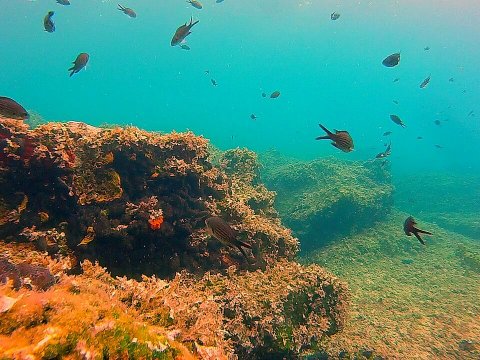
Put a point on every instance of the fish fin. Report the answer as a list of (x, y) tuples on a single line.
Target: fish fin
[(242, 243), (326, 137), (121, 8), (325, 129), (423, 231), (335, 144), (419, 238)]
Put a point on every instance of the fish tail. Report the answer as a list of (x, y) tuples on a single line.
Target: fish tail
[(423, 231), (326, 130), (419, 238), (72, 71), (326, 137)]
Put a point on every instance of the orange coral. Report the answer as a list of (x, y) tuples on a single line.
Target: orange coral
[(155, 223)]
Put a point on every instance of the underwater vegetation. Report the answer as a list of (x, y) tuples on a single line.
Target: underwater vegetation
[(131, 269)]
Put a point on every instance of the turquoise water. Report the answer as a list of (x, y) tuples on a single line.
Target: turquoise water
[(327, 71)]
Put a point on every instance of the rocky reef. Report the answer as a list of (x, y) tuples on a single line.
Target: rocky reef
[(105, 252), (313, 195)]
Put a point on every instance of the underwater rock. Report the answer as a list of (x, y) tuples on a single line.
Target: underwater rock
[(326, 199), (24, 274)]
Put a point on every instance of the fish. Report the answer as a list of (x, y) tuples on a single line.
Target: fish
[(426, 48), (10, 109), (184, 47), (341, 139), (438, 146), (396, 79), (395, 102), (195, 3), (451, 79), (79, 63), (437, 122), (425, 82), (219, 1), (386, 133), (410, 228), (63, 2), (48, 23), (391, 60), (207, 72), (419, 137), (182, 32), (253, 117), (275, 94), (471, 113), (334, 16), (385, 153), (222, 231), (397, 120), (214, 82), (127, 11)]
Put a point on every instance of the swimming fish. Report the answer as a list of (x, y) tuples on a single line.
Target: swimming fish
[(63, 2), (341, 139), (207, 72), (79, 63), (397, 120), (10, 109), (195, 3), (275, 94), (127, 11), (214, 82), (218, 228), (471, 113), (451, 80), (426, 48), (253, 117), (184, 47), (48, 23), (386, 133), (385, 153), (437, 122), (182, 32), (425, 82), (409, 226), (396, 79), (219, 1), (264, 95), (395, 102), (391, 60), (334, 16), (438, 146), (419, 137)]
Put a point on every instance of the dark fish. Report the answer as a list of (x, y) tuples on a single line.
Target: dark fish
[(438, 146), (184, 47), (385, 153), (409, 226), (225, 234), (253, 117), (391, 60), (275, 94), (79, 63), (387, 133), (219, 1), (334, 16), (471, 113), (341, 139), (395, 102), (182, 32), (63, 2), (397, 120), (426, 48), (419, 137), (127, 11), (451, 79), (10, 109), (396, 79), (437, 122), (207, 72), (425, 82), (214, 83), (48, 23), (195, 3)]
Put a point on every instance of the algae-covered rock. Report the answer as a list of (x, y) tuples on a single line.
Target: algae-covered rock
[(325, 199)]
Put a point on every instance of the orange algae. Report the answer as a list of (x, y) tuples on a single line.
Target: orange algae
[(155, 223)]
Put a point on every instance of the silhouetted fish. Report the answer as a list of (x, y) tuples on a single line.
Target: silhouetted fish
[(213, 81), (419, 137), (385, 153), (451, 80), (425, 82), (225, 234), (438, 146), (63, 2), (341, 139), (395, 102), (48, 23), (426, 48), (396, 79), (79, 63), (195, 3), (10, 109), (386, 133), (397, 120), (127, 11), (182, 32), (219, 1), (184, 47), (409, 227), (437, 122), (264, 95), (275, 94), (253, 117), (334, 16), (471, 113), (391, 60)]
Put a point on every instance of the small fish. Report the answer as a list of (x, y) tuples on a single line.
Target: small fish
[(397, 120), (471, 113), (63, 2), (79, 63), (219, 229), (451, 80), (437, 122), (127, 11), (409, 227), (253, 117), (395, 102), (184, 47), (425, 82), (10, 109), (385, 153), (391, 60), (219, 1), (386, 133), (438, 146), (195, 3), (396, 79), (334, 16), (214, 83), (207, 72), (426, 48), (48, 23), (275, 94), (264, 95), (341, 139), (419, 137), (182, 32)]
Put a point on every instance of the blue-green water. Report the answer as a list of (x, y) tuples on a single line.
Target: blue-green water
[(327, 71)]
